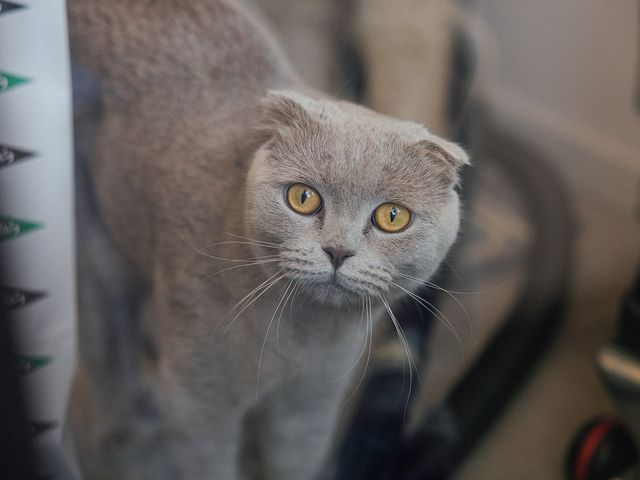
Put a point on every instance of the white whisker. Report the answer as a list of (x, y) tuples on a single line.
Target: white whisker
[(208, 255), (291, 295), (243, 299), (229, 242), (433, 310), (453, 297), (438, 287), (405, 344), (266, 335), (364, 345), (250, 264), (369, 315), (250, 239), (265, 289), (247, 259)]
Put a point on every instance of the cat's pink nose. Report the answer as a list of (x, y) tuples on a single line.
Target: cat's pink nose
[(337, 255)]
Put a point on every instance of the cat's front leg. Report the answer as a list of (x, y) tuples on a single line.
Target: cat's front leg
[(207, 432), (296, 427), (206, 390)]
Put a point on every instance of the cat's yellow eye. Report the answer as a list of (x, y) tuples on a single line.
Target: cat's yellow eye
[(303, 199), (391, 217)]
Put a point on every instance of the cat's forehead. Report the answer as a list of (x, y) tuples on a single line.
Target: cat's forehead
[(360, 154)]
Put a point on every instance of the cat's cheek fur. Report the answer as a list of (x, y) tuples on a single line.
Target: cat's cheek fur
[(423, 257)]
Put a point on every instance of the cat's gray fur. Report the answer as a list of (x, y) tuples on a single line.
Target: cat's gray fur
[(193, 147)]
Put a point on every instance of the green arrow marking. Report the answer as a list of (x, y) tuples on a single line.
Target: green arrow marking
[(30, 364), (12, 227), (8, 6), (8, 81)]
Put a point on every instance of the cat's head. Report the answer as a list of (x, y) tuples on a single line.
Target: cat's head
[(353, 200)]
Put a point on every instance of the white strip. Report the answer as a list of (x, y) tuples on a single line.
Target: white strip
[(36, 116)]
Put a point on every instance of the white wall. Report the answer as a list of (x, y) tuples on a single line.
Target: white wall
[(564, 72)]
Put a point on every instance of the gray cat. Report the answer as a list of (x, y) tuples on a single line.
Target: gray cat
[(267, 224)]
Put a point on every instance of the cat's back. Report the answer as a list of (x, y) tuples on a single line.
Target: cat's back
[(179, 84), (184, 51)]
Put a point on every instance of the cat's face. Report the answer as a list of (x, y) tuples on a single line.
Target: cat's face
[(353, 200)]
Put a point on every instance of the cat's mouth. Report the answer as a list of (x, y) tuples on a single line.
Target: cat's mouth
[(337, 287), (335, 291)]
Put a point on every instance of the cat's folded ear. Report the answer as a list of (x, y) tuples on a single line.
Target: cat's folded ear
[(446, 157), (286, 109)]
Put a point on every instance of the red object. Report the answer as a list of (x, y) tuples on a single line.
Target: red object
[(590, 445)]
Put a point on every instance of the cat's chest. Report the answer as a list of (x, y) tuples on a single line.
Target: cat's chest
[(309, 342)]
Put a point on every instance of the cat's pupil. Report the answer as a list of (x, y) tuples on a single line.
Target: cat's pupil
[(392, 214), (306, 194)]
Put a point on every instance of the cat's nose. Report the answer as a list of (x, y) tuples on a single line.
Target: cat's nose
[(337, 255)]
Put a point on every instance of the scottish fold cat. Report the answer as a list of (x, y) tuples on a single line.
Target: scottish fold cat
[(269, 225)]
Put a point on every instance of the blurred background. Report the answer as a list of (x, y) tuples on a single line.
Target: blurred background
[(546, 98)]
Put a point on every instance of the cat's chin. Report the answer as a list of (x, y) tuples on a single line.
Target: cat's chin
[(337, 296), (333, 293)]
